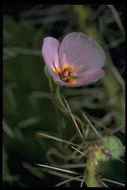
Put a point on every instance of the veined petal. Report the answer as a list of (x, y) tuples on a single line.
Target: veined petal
[(50, 53), (89, 77), (80, 49)]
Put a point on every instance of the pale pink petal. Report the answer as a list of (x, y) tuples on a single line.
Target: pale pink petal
[(50, 53), (79, 49), (90, 77)]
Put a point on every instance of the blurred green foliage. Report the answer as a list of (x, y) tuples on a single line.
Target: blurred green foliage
[(27, 100)]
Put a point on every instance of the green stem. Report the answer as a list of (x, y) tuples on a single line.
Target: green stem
[(62, 105), (63, 108), (91, 177), (55, 107)]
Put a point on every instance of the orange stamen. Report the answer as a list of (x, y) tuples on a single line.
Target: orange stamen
[(67, 72)]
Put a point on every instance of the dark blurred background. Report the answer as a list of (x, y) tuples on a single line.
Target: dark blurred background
[(15, 10), (27, 106)]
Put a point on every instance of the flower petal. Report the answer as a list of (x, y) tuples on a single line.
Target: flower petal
[(90, 77), (50, 53), (79, 49)]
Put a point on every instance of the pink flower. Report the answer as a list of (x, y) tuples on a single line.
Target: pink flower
[(77, 61)]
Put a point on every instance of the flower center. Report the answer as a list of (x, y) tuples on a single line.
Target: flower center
[(66, 73)]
